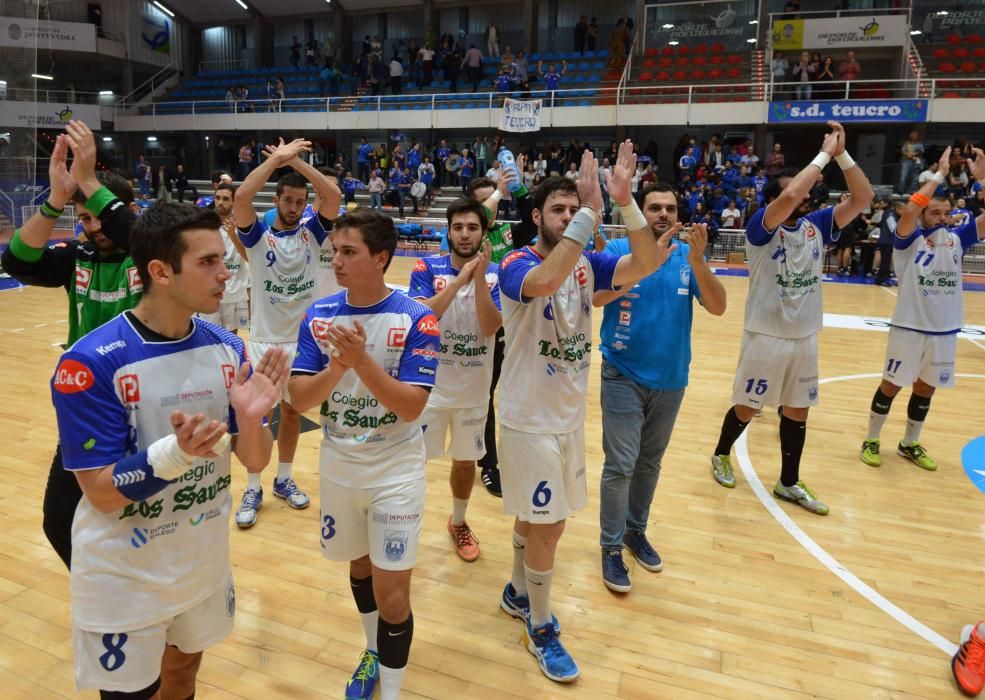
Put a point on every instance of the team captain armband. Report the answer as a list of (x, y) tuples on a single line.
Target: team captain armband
[(921, 200), (145, 473)]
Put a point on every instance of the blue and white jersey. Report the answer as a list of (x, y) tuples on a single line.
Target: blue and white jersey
[(364, 444), (959, 217), (283, 267), (785, 264), (205, 201), (465, 355), (270, 216), (114, 392), (928, 267), (548, 343)]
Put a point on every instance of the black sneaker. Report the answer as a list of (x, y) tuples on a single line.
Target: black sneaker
[(490, 479)]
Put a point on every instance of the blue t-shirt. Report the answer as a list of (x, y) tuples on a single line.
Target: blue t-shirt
[(413, 159), (503, 83), (551, 80), (467, 165), (659, 306), (759, 182), (362, 154)]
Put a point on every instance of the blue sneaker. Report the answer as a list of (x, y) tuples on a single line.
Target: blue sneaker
[(518, 606), (615, 575), (362, 683), (246, 516), (646, 555), (555, 662), (289, 491)]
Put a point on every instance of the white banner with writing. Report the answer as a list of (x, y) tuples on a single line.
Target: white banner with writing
[(47, 115), (520, 115), (47, 34), (856, 32)]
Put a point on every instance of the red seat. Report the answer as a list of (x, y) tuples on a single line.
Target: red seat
[(699, 60), (947, 67), (700, 48), (683, 50), (665, 62), (683, 61), (940, 53), (946, 83), (953, 39), (679, 75), (652, 51), (649, 63), (663, 76), (950, 95), (667, 51), (715, 73), (979, 51), (697, 74), (717, 60), (975, 39), (718, 47), (646, 77), (734, 58), (961, 52), (969, 67), (733, 72)]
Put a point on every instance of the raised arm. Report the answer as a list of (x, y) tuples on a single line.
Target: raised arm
[(36, 232), (780, 209), (910, 217), (860, 190), (330, 196), (976, 166), (282, 154)]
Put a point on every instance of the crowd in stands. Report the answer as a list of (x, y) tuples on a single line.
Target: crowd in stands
[(812, 76)]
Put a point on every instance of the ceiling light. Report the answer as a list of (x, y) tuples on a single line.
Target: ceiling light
[(750, 41), (163, 9), (242, 4), (754, 21), (105, 92), (107, 138), (673, 43), (915, 32), (152, 138), (42, 76), (668, 26)]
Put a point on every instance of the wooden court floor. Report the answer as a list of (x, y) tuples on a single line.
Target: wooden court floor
[(741, 610)]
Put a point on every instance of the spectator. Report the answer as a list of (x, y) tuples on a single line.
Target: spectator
[(376, 188), (528, 176), (415, 64), (396, 75), (163, 184), (367, 46), (731, 216), (581, 31), (295, 53), (492, 39), (473, 63), (775, 161), (231, 99), (617, 44), (441, 154), (592, 35), (687, 163), (349, 186), (245, 160), (480, 150), (849, 69), (311, 52), (957, 181), (328, 49), (181, 184), (451, 68), (406, 182), (802, 73), (824, 79), (791, 10), (540, 165), (883, 259), (425, 174), (507, 59), (779, 67), (716, 158), (504, 83), (414, 157), (572, 173), (270, 91), (552, 78), (398, 157), (466, 171), (819, 192), (521, 71), (280, 89), (845, 245), (142, 172), (911, 163), (427, 65), (362, 159)]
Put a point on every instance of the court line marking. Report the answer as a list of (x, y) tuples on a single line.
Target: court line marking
[(888, 290), (833, 565)]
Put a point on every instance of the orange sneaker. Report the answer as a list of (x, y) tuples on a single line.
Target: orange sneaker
[(968, 665), (466, 544)]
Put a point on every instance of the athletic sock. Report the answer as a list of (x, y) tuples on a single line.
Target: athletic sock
[(394, 643), (916, 414), (519, 578), (792, 436), (732, 428), (362, 592), (539, 593), (878, 412), (253, 480), (458, 507), (284, 470)]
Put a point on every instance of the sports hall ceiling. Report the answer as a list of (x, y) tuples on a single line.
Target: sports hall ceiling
[(219, 11)]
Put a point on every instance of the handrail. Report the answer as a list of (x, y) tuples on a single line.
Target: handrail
[(10, 207), (128, 100), (628, 68), (852, 12)]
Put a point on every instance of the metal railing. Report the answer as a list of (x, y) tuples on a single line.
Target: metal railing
[(66, 221), (148, 86), (55, 96)]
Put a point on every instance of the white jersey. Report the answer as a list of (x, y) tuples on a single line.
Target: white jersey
[(364, 444), (785, 264), (466, 356), (928, 267), (114, 393), (239, 283), (325, 282), (548, 344), (282, 273)]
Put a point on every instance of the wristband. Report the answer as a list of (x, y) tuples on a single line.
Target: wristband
[(632, 216), (821, 160), (134, 477), (49, 212), (582, 226), (168, 459), (937, 177), (497, 195), (921, 200), (845, 161)]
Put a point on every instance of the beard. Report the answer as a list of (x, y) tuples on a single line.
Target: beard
[(463, 252), (287, 217)]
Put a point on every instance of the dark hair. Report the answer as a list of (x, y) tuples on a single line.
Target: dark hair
[(291, 180), (377, 230), (118, 185), (477, 183), (774, 188), (157, 235), (658, 187), (227, 186), (217, 176), (467, 206), (550, 185)]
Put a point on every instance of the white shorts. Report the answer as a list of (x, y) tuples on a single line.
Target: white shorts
[(543, 476), (911, 355), (383, 522), (468, 429), (232, 315), (130, 661), (255, 350), (776, 372)]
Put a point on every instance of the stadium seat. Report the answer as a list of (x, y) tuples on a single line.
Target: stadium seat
[(979, 52), (716, 74), (734, 58), (697, 74), (961, 52), (667, 51), (733, 72), (947, 67), (717, 60), (969, 67), (682, 61), (683, 50), (953, 39), (665, 62), (718, 47), (679, 75), (663, 76), (646, 77), (700, 60), (652, 51), (649, 63), (940, 53), (975, 39)]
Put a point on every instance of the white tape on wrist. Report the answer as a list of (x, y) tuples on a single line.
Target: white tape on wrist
[(497, 195), (632, 216), (937, 177), (168, 459), (821, 160), (582, 226), (845, 161)]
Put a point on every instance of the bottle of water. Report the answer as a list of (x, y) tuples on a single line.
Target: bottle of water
[(507, 163)]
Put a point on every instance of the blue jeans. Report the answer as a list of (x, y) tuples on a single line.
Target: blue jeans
[(636, 425), (803, 91), (907, 176)]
